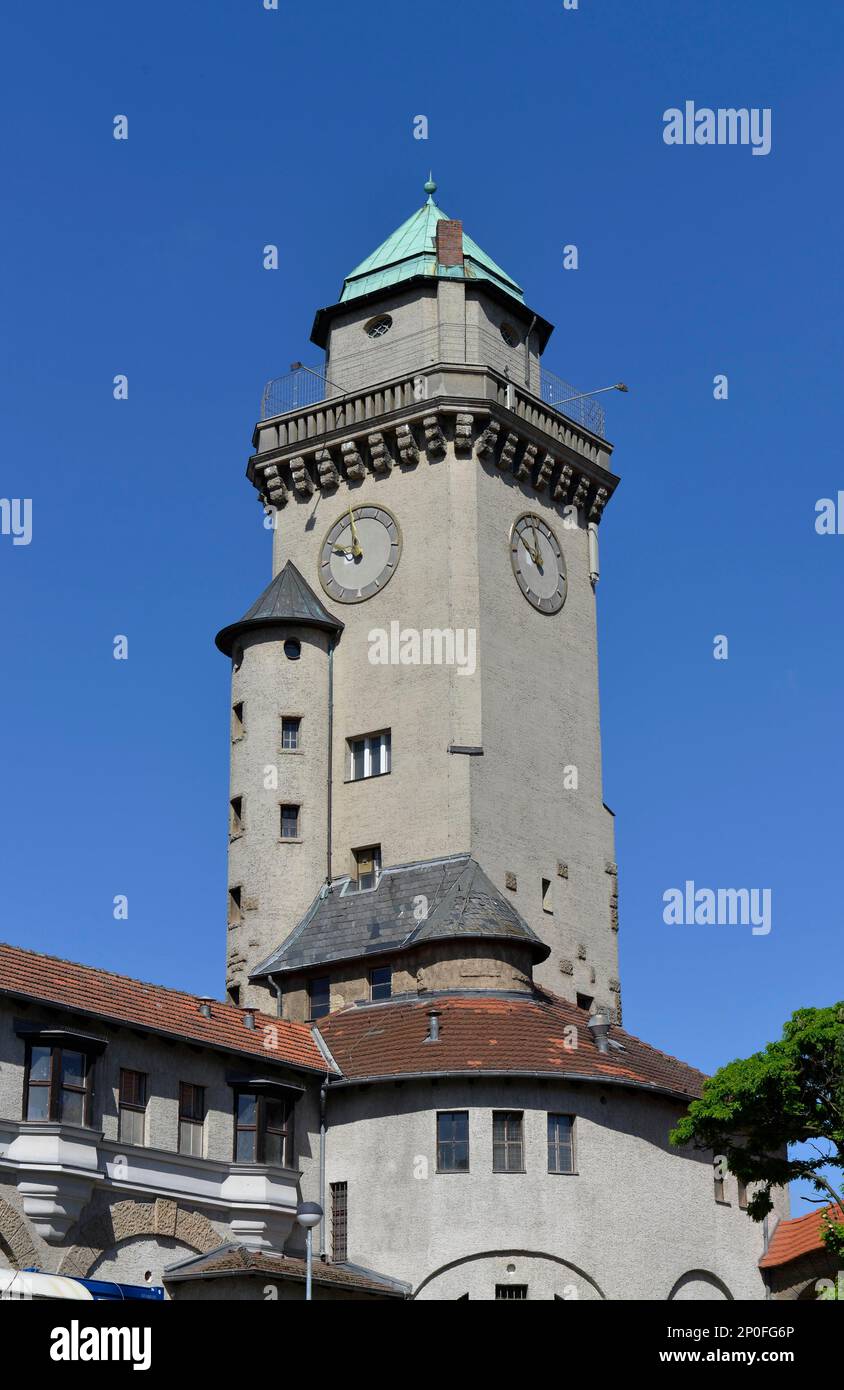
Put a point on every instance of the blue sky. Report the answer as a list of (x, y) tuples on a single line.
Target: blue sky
[(295, 127)]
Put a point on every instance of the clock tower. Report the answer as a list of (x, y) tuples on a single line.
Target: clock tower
[(415, 695)]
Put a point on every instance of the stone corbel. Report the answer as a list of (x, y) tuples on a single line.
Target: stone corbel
[(463, 434), (380, 456), (302, 480), (508, 453), (580, 492), (524, 467), (435, 440), (563, 483), (327, 469), (351, 460), (543, 477), (488, 442), (599, 501), (407, 446), (275, 488)]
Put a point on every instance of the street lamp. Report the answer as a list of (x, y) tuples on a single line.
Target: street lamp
[(308, 1214), (619, 386)]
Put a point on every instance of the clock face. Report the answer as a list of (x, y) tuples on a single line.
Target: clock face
[(538, 563), (360, 554)]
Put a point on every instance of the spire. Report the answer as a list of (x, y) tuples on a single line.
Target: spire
[(288, 601)]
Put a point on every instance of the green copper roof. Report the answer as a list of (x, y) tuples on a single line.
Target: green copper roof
[(411, 250)]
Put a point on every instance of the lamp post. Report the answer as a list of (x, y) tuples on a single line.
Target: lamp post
[(308, 1214), (581, 395)]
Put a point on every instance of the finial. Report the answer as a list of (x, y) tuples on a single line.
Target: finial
[(430, 187)]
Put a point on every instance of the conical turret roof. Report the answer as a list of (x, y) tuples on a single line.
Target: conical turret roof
[(287, 601)]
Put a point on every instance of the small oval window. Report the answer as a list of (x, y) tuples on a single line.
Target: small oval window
[(509, 334), (292, 649), (376, 328)]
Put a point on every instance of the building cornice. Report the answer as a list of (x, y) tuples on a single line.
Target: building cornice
[(471, 409)]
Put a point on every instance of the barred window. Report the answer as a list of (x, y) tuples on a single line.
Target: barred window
[(508, 1141), (339, 1222), (453, 1141), (508, 1292), (560, 1143)]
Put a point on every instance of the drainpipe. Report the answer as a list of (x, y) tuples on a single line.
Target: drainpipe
[(527, 352), (323, 1128), (594, 565), (276, 989), (329, 783)]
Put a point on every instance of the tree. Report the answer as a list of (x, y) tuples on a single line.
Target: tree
[(791, 1093)]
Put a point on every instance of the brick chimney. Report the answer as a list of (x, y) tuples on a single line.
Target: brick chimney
[(449, 242)]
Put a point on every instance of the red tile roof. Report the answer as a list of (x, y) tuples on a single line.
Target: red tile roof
[(799, 1236), (119, 999), (495, 1034)]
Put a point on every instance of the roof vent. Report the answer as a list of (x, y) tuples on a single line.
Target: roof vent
[(434, 1016), (205, 1005), (249, 1018), (599, 1027), (449, 242)]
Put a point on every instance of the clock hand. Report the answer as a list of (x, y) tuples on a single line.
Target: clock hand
[(534, 554), (356, 546)]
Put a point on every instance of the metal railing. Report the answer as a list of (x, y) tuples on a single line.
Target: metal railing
[(449, 343)]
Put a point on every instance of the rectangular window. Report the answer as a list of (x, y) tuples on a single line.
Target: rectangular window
[(236, 816), (339, 1222), (742, 1194), (290, 733), (367, 867), (191, 1118), (369, 756), (57, 1084), (319, 997), (508, 1150), (133, 1104), (511, 1292), (381, 982), (237, 720), (453, 1141), (235, 911), (560, 1143), (290, 822), (263, 1129), (547, 904)]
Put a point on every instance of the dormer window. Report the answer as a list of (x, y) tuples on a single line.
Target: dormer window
[(377, 327), (367, 868)]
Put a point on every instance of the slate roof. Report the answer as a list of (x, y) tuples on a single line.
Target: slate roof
[(238, 1260), (343, 924), (411, 250), (495, 1033), (288, 600), (121, 1000), (802, 1235)]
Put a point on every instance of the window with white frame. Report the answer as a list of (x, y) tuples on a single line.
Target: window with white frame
[(369, 756)]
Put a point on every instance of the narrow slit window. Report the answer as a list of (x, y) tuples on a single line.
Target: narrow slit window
[(235, 910), (339, 1222), (236, 816), (547, 904), (237, 720)]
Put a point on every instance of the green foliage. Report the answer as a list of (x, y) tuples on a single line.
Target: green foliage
[(791, 1093)]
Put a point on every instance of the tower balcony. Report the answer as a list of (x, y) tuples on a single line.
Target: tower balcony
[(444, 387)]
